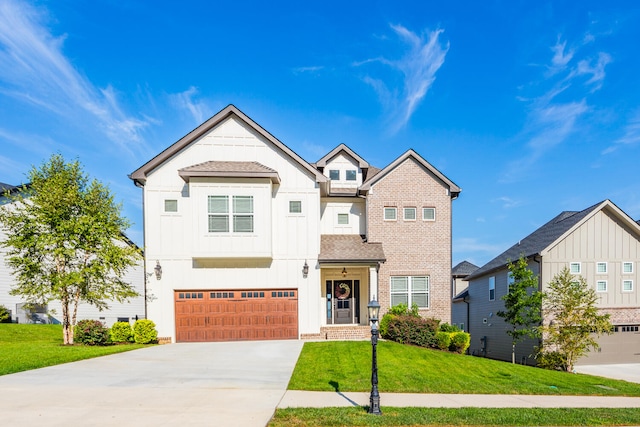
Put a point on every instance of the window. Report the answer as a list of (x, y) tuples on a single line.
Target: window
[(334, 175), (627, 285), (601, 286), (409, 214), (575, 268), (492, 288), (170, 205), (295, 206), (429, 214), (601, 267), (510, 279), (627, 267), (351, 175), (409, 290), (390, 214), (218, 208), (343, 219)]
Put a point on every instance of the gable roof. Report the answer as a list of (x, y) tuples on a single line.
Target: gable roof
[(463, 269), (547, 236), (229, 169), (139, 176), (362, 163), (454, 190)]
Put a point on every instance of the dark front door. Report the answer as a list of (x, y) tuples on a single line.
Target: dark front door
[(343, 301)]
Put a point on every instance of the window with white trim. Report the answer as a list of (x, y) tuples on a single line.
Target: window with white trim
[(601, 286), (334, 175), (627, 267), (171, 205), (240, 211), (343, 219), (601, 268), (409, 290), (429, 214), (627, 285), (295, 206), (492, 288), (575, 268), (390, 214), (351, 175), (409, 214)]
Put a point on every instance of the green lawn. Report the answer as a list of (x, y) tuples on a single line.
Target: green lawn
[(346, 366), (25, 347)]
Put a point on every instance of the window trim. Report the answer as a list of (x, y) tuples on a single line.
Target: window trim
[(410, 292), (331, 171), (164, 206), (409, 209), (628, 263), (492, 287), (395, 213), (578, 264), (630, 281), (343, 215), (601, 263), (355, 175), (605, 286), (290, 205), (424, 217), (232, 214)]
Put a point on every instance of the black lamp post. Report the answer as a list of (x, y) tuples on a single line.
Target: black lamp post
[(374, 399)]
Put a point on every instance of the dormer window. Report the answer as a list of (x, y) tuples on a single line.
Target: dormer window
[(334, 175), (351, 175)]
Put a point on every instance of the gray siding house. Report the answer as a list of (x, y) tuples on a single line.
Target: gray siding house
[(600, 243)]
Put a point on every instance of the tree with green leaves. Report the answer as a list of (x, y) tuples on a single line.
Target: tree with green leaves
[(65, 241), (574, 322), (523, 304)]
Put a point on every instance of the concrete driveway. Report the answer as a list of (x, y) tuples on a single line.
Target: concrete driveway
[(213, 384), (622, 371)]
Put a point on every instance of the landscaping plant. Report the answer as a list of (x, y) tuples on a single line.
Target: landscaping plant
[(121, 332), (144, 332), (5, 314), (91, 332)]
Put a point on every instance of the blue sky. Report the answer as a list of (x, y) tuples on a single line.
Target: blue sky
[(531, 107)]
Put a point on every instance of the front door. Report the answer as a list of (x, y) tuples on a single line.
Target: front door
[(343, 301)]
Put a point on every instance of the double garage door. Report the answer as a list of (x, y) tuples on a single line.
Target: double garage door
[(622, 346), (236, 315)]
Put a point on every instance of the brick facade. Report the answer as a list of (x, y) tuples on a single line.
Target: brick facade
[(416, 247)]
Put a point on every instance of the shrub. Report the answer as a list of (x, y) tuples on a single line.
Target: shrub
[(396, 310), (445, 327), (121, 332), (144, 332), (553, 360), (384, 324), (443, 339), (91, 332), (460, 342), (408, 329), (5, 314)]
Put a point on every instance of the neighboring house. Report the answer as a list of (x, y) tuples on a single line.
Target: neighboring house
[(52, 313), (600, 243), (459, 285), (256, 243)]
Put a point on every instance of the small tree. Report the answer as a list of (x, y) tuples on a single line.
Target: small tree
[(574, 321), (523, 304), (65, 241)]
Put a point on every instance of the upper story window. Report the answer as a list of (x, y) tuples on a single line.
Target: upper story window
[(241, 213), (492, 288), (170, 205), (295, 206), (601, 286), (429, 214), (601, 267), (627, 267), (343, 219), (390, 214), (334, 175), (575, 268), (351, 175), (409, 214), (627, 285)]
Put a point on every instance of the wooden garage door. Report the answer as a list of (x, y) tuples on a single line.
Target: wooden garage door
[(237, 315)]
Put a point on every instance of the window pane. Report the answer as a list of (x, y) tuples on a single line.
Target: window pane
[(627, 267), (343, 219), (574, 267), (390, 213), (295, 206), (399, 284), (601, 285), (420, 299), (601, 267), (351, 175), (399, 299), (242, 204), (420, 284), (218, 204), (171, 206), (334, 175), (429, 213), (627, 285), (243, 223), (410, 213), (218, 223)]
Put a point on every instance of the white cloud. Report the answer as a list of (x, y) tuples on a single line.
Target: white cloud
[(508, 202), (418, 66), (631, 134), (198, 109), (34, 70), (560, 58)]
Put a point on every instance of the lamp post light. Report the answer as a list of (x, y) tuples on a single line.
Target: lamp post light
[(374, 398)]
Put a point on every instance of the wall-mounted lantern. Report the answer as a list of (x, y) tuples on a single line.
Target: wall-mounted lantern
[(305, 269), (158, 270), (344, 272)]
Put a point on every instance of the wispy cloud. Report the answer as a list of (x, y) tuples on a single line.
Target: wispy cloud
[(423, 57), (34, 70), (199, 110), (631, 134), (508, 202), (310, 69)]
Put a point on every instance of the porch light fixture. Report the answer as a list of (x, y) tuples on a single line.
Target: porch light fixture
[(374, 399), (305, 269), (158, 270), (344, 272)]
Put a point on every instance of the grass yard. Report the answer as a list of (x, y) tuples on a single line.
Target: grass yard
[(25, 347), (346, 366)]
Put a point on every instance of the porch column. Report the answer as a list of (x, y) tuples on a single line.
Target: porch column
[(373, 283)]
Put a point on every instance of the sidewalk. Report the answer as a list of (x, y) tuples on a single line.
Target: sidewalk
[(321, 399)]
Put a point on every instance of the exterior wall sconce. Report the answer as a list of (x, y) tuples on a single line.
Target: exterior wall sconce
[(305, 269), (158, 270), (344, 272)]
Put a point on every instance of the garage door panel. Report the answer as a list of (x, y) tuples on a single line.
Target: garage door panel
[(236, 315)]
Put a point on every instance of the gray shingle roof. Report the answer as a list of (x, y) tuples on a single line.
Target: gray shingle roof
[(537, 241), (348, 248), (463, 269), (229, 169)]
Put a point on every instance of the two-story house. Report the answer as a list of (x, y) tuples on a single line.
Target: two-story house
[(601, 244), (254, 242)]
